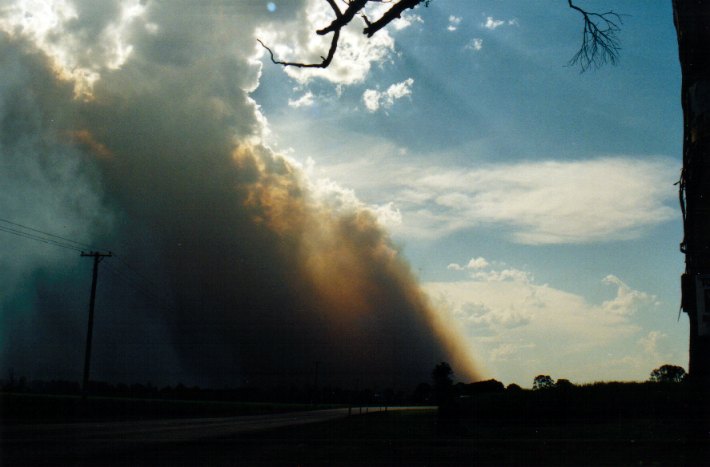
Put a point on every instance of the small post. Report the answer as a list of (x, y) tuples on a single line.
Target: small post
[(90, 330), (315, 385)]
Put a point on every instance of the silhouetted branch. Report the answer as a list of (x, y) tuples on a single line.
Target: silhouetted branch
[(599, 39), (331, 52), (342, 18), (390, 15), (324, 64)]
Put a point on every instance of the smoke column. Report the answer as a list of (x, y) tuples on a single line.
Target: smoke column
[(130, 125)]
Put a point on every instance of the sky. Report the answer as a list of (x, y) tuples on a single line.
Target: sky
[(450, 189)]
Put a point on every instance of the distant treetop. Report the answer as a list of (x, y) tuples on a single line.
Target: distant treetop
[(668, 374)]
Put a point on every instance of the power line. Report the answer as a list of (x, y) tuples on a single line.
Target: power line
[(137, 272), (147, 290), (143, 284), (37, 238), (68, 240), (38, 235), (32, 233)]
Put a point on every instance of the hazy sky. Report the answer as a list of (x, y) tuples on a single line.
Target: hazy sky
[(534, 204)]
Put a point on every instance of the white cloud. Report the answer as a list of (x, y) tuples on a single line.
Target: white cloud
[(505, 275), (374, 99), (305, 100), (492, 23), (406, 20), (58, 30), (538, 203), (523, 328), (650, 342), (340, 199), (627, 300), (473, 263), (371, 98), (475, 44), (477, 263), (399, 90), (454, 22), (387, 215)]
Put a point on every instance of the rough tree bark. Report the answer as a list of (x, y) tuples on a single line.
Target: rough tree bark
[(692, 22)]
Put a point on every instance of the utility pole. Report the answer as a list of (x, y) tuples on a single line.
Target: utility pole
[(92, 301)]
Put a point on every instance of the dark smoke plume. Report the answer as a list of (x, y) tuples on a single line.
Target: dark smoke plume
[(246, 276)]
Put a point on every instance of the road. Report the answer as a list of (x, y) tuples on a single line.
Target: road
[(78, 443)]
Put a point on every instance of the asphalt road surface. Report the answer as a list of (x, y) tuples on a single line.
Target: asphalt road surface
[(85, 443)]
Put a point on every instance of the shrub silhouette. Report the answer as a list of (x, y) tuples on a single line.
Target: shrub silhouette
[(668, 374), (564, 384), (543, 382), (442, 377)]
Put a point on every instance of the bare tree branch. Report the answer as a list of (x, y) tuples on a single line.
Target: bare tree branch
[(325, 61), (389, 16), (600, 43), (342, 18), (323, 64)]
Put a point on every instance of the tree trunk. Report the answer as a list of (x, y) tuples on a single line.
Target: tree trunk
[(692, 22)]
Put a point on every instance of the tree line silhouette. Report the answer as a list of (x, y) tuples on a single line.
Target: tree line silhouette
[(441, 390)]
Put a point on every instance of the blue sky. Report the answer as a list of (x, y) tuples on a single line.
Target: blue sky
[(499, 150), (534, 204)]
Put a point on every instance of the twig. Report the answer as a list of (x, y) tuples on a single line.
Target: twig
[(600, 43)]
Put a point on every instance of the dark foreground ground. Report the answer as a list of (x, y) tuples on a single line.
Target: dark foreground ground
[(473, 436), (416, 439), (422, 439)]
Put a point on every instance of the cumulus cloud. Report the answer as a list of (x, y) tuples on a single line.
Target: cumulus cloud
[(454, 22), (371, 98), (61, 29), (374, 99), (473, 263), (492, 23), (627, 301), (305, 100), (475, 44), (406, 20), (650, 342), (509, 315), (504, 275)]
